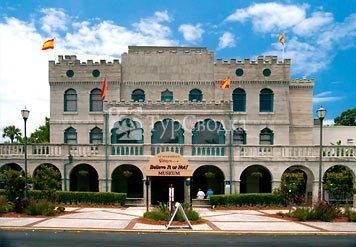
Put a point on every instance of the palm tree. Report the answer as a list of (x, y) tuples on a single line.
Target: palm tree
[(12, 132)]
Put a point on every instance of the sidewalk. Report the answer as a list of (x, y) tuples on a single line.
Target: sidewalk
[(125, 219)]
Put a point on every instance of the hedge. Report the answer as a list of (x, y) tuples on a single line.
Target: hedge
[(74, 197), (263, 199)]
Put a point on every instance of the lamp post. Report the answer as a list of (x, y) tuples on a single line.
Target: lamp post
[(321, 112), (25, 114)]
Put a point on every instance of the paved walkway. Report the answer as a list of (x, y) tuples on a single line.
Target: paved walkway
[(125, 219)]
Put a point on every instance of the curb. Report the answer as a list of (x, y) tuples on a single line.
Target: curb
[(183, 231)]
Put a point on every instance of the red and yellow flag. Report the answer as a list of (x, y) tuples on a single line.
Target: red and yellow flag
[(104, 89), (225, 83), (48, 44), (281, 38)]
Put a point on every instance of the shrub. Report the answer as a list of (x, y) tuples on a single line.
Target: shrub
[(293, 187), (156, 215), (5, 206), (302, 214), (41, 207), (325, 212), (237, 200), (72, 197), (48, 181), (161, 212), (352, 216)]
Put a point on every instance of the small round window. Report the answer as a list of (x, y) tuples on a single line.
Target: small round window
[(239, 72), (266, 72), (70, 73), (96, 73)]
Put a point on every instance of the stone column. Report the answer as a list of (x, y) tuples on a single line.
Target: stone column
[(276, 184), (315, 191), (109, 184), (187, 190), (227, 187), (237, 186), (102, 184)]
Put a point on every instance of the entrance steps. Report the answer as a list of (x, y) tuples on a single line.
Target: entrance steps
[(134, 202), (201, 203)]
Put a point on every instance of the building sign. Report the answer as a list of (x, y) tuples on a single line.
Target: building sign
[(168, 164)]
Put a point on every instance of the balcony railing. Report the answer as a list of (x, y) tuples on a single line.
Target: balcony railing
[(239, 151)]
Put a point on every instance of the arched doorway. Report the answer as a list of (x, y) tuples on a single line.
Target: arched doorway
[(207, 177), (304, 192), (338, 184), (41, 171), (127, 179), (256, 179), (84, 177), (8, 166), (208, 132), (167, 131)]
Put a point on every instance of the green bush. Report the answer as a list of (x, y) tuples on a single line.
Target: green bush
[(73, 197), (302, 214), (156, 215), (5, 206), (41, 207), (238, 200), (352, 216), (325, 212), (161, 212)]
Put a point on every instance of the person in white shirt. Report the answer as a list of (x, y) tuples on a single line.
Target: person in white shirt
[(200, 194)]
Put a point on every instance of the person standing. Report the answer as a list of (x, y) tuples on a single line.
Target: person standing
[(200, 194)]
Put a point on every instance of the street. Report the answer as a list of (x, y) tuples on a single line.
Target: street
[(87, 239)]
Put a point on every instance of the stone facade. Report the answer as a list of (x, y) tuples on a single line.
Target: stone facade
[(180, 70)]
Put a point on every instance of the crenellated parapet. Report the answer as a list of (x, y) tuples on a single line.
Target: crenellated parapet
[(70, 69), (264, 68), (302, 83)]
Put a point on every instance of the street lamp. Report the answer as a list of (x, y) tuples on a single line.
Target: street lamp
[(25, 114), (321, 112)]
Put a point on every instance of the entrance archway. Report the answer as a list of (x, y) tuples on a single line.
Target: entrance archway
[(159, 189), (256, 179), (84, 177), (127, 179), (207, 177), (56, 175), (306, 189)]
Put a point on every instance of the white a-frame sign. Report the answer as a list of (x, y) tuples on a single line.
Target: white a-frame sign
[(178, 206)]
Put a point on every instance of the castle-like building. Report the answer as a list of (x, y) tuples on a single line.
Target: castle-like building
[(165, 120)]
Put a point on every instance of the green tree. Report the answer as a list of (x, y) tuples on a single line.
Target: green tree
[(293, 187), (338, 182), (41, 134), (12, 132), (346, 118), (48, 180)]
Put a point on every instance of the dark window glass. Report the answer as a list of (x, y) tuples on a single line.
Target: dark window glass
[(70, 100), (70, 73), (166, 96), (138, 95), (266, 137), (195, 95), (208, 132), (96, 136), (239, 100), (239, 136), (266, 72), (95, 73), (167, 131), (266, 100), (127, 131), (96, 104), (239, 72), (70, 136)]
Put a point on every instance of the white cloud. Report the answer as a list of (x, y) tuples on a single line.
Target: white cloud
[(325, 97), (226, 40), (266, 17), (191, 32), (53, 20), (309, 25), (24, 73)]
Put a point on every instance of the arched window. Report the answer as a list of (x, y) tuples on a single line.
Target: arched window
[(167, 131), (138, 95), (70, 100), (266, 100), (96, 136), (166, 96), (195, 95), (127, 131), (266, 137), (239, 100), (208, 132), (96, 104), (239, 136), (70, 136)]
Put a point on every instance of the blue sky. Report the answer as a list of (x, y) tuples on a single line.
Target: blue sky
[(320, 40)]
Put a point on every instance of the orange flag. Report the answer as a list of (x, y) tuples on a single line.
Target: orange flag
[(225, 83), (281, 38), (48, 44), (104, 89)]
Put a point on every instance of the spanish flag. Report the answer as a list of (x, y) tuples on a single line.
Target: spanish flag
[(48, 44), (225, 83), (281, 38), (104, 89)]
